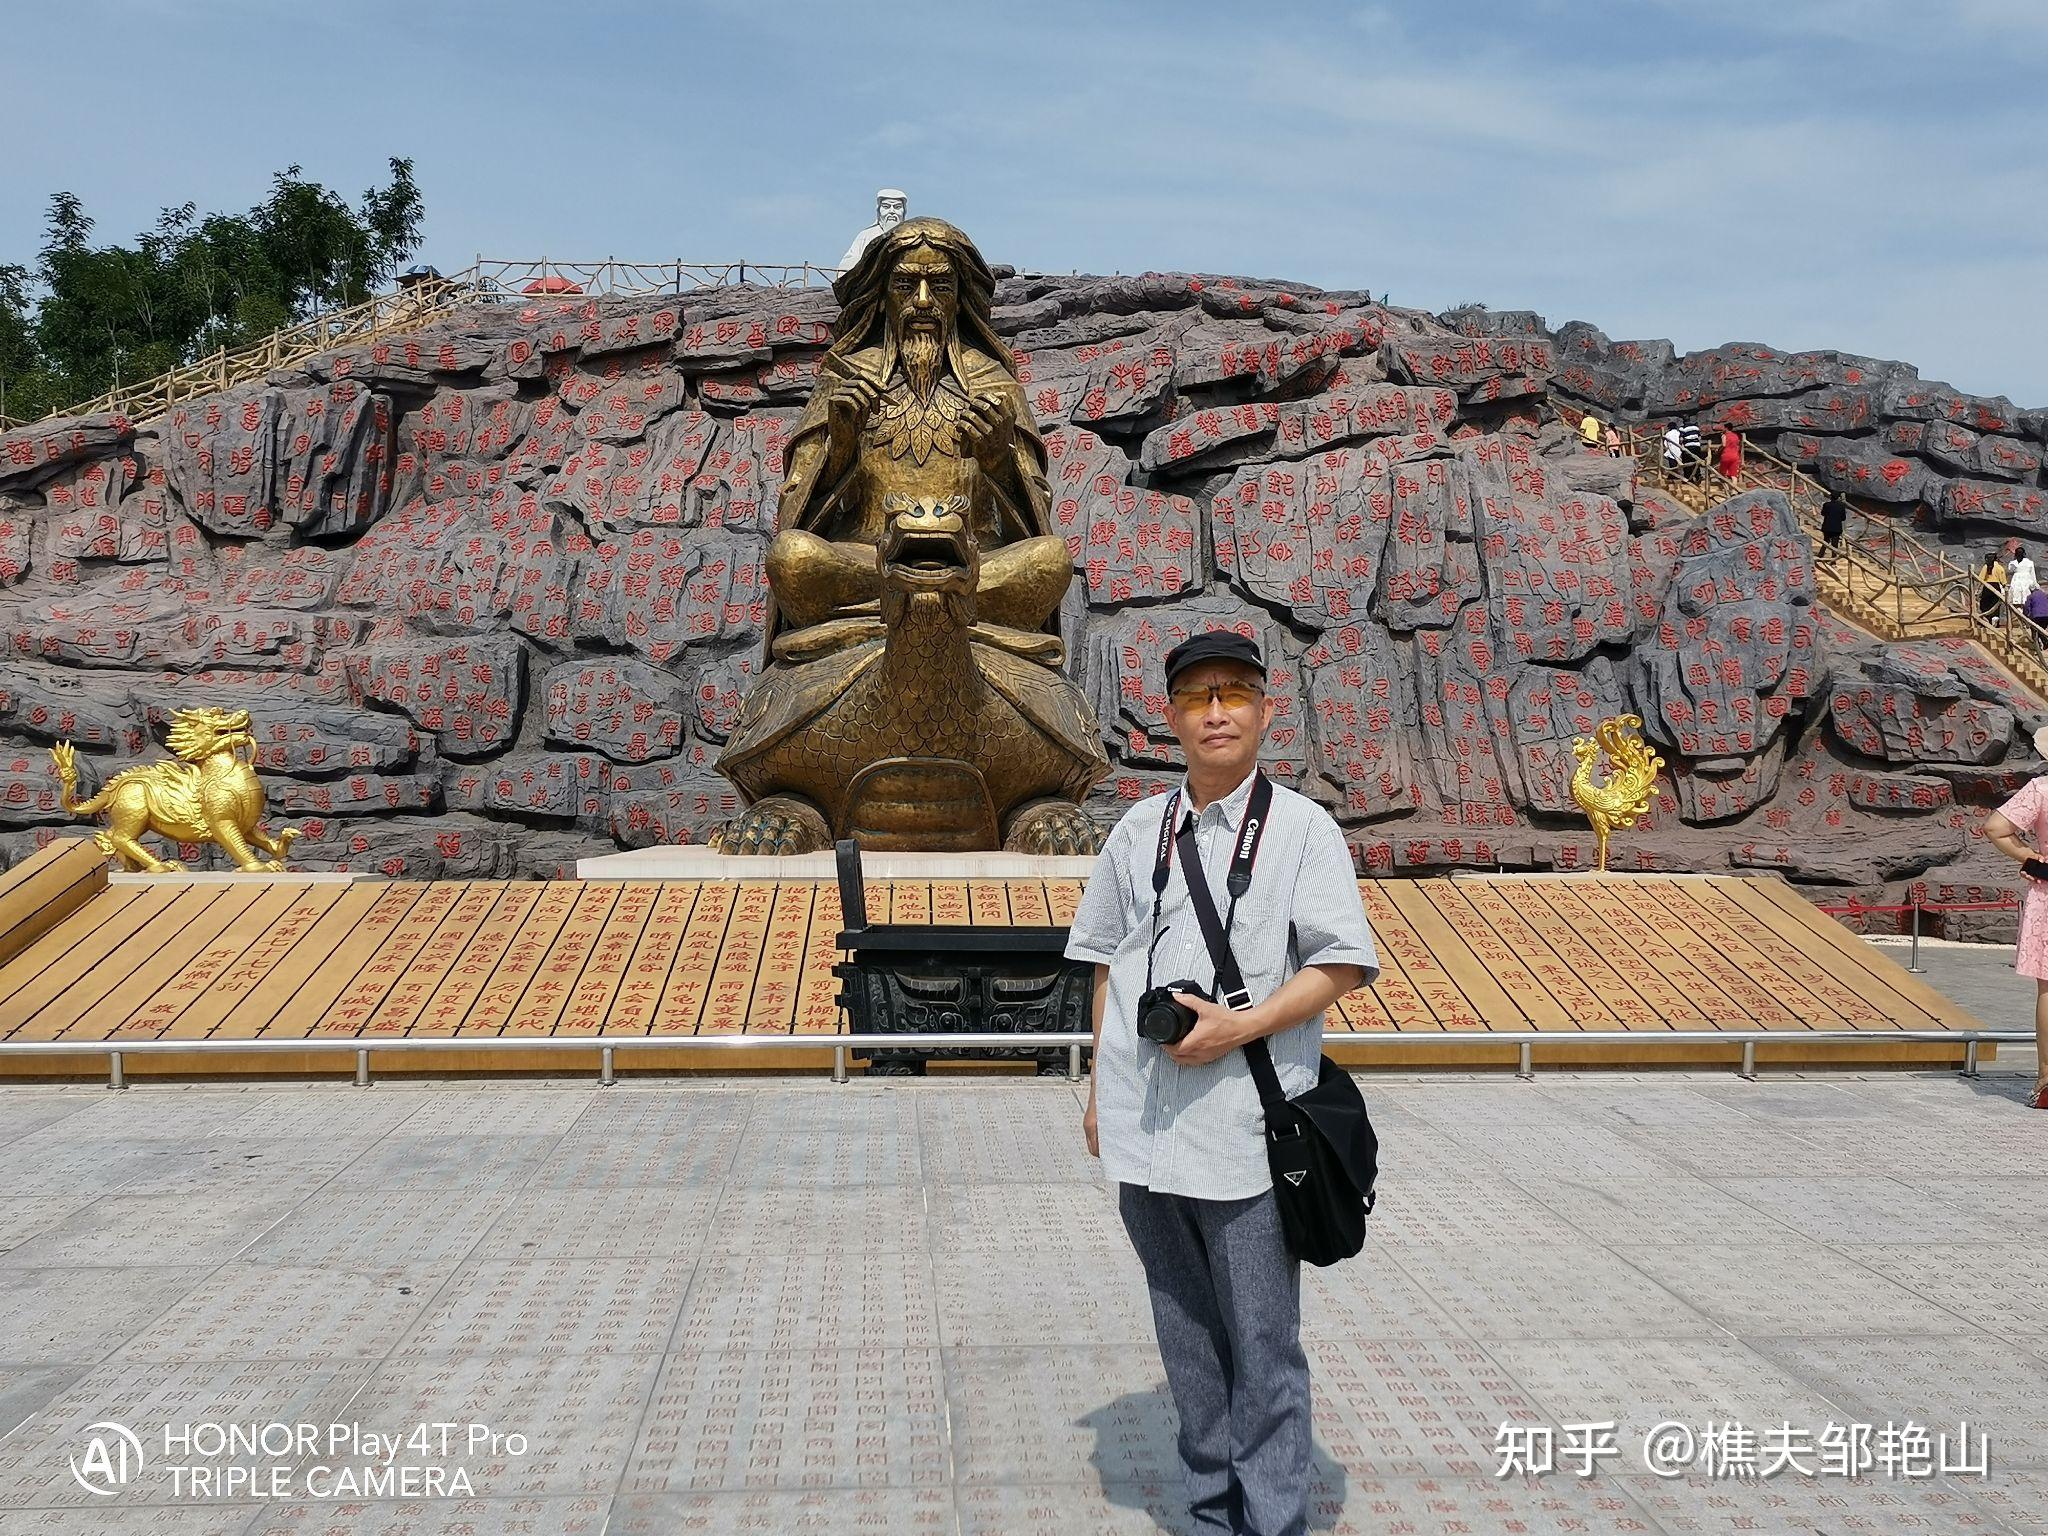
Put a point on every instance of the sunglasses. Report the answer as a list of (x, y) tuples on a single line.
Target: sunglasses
[(1233, 696)]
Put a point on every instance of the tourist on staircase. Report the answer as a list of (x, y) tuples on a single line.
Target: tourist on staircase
[(2020, 580), (1834, 516), (2012, 829), (1695, 449), (1731, 455), (1991, 577), (1589, 432), (1613, 441), (1674, 448), (2036, 610)]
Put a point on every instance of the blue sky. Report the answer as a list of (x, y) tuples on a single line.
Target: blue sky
[(1861, 174)]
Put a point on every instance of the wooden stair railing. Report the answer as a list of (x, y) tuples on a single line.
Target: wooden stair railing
[(1879, 575), (410, 307), (387, 314)]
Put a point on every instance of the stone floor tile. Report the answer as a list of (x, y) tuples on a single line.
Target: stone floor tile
[(649, 1222), (790, 1301), (1794, 1287), (151, 1230), (795, 1419), (81, 1314), (1547, 1291), (1934, 1380), (580, 1307), (442, 1516)]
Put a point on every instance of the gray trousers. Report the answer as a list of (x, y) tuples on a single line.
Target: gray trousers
[(1226, 1302)]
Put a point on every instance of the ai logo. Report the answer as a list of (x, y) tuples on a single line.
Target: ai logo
[(112, 1456)]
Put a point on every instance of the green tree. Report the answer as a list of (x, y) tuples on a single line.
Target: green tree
[(91, 317), (24, 384)]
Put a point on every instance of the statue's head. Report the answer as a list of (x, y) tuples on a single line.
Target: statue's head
[(196, 734), (890, 207), (917, 291), (924, 303)]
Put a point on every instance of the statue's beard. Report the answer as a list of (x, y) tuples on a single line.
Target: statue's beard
[(923, 351)]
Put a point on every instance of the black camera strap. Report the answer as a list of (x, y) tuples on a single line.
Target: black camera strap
[(1160, 865), (1251, 831)]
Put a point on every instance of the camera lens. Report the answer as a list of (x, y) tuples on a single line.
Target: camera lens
[(1164, 1019)]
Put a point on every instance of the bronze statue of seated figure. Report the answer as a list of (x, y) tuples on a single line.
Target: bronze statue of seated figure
[(913, 696)]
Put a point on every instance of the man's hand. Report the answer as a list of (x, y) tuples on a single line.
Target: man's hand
[(1218, 1031), (1088, 1131)]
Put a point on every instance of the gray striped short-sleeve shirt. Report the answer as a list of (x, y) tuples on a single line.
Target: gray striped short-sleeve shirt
[(1199, 1131)]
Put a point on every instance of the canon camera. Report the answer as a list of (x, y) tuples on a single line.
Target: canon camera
[(1165, 1019)]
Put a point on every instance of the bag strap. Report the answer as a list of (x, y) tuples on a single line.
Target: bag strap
[(1216, 931), (1250, 833)]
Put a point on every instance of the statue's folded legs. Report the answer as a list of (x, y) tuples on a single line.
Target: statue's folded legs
[(818, 579)]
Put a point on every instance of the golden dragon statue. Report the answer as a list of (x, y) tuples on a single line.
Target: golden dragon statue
[(1631, 776), (207, 793)]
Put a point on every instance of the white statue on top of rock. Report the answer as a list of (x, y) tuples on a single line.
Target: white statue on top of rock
[(890, 207)]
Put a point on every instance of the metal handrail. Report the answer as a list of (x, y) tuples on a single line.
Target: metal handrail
[(843, 1046), (507, 280)]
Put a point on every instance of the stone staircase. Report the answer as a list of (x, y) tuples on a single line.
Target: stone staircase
[(1879, 577)]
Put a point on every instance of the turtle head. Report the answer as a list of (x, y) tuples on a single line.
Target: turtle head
[(928, 545)]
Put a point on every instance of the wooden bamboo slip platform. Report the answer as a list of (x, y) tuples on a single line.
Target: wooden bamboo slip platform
[(365, 961)]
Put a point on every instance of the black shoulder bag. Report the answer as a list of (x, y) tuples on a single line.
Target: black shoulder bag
[(1321, 1146)]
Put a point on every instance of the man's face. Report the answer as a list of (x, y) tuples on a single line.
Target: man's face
[(923, 297), (889, 212), (1219, 737)]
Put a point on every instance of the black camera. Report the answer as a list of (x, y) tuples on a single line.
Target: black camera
[(1161, 1018)]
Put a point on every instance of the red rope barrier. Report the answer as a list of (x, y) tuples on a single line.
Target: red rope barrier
[(1863, 909)]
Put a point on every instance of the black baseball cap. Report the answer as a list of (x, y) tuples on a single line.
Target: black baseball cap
[(1213, 645)]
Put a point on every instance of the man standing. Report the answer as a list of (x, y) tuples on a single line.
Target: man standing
[(890, 208), (1695, 449), (1179, 1128)]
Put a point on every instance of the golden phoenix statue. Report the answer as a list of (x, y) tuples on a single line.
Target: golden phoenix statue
[(913, 696), (1631, 776), (207, 793)]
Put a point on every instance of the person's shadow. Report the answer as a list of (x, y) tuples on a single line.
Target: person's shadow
[(1134, 1457)]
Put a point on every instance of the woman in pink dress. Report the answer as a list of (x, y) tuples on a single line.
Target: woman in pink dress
[(1731, 454), (2013, 829)]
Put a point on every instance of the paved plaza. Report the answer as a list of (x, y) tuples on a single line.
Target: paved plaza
[(1979, 976), (907, 1307)]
